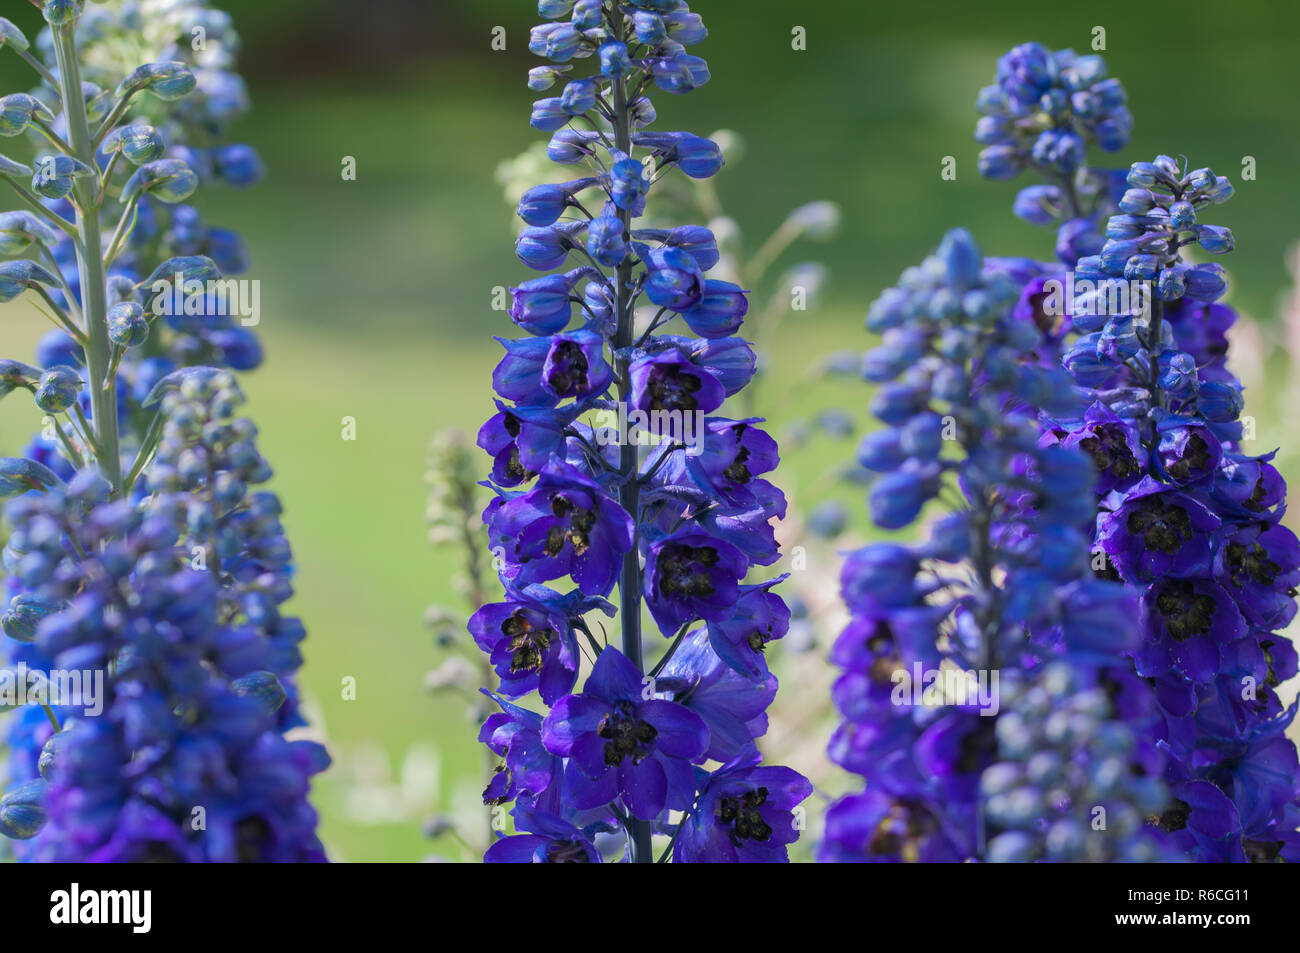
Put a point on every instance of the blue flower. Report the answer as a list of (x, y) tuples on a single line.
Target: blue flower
[(745, 814), (621, 743)]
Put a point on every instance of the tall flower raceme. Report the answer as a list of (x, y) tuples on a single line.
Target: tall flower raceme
[(612, 466), (1189, 519), (142, 559), (1185, 518), (983, 696)]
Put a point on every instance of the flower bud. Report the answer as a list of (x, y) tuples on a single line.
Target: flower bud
[(58, 390), (18, 276), (12, 37), (127, 325), (614, 60), (606, 242), (139, 143), (18, 230), (56, 175), (168, 80), (1215, 239), (17, 112), (22, 809)]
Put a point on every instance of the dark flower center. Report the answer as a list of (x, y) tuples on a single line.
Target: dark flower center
[(511, 424), (742, 814), (502, 799), (515, 470), (1262, 851), (886, 661), (1186, 612), (566, 852), (252, 839), (1164, 527), (1195, 459), (1175, 817), (1110, 452), (901, 832), (672, 387), (978, 747), (569, 369), (1251, 562), (737, 471), (1256, 500), (528, 642), (578, 532), (626, 735), (684, 570)]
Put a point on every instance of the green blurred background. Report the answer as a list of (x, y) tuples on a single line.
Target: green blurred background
[(376, 292)]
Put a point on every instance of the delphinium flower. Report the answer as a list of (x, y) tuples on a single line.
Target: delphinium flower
[(186, 762), (613, 466), (1043, 763), (1188, 519), (1044, 111), (137, 488)]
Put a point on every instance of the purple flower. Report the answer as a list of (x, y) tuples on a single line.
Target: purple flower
[(622, 741), (565, 526), (1155, 531), (527, 770), (670, 381), (1114, 445), (732, 705), (548, 370), (691, 575), (1188, 452), (547, 840), (744, 814), (758, 617), (531, 640), (1187, 622), (1259, 563)]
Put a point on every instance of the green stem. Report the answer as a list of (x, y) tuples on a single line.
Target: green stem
[(90, 262), (37, 65), (147, 446), (54, 719)]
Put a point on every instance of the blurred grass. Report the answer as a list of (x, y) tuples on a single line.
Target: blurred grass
[(376, 292)]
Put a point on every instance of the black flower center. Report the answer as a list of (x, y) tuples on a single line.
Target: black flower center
[(1186, 612), (1110, 452), (577, 532), (978, 747), (569, 369), (1262, 851), (1164, 527), (1175, 816), (515, 469), (1251, 562), (528, 642), (684, 570), (1256, 501), (742, 814), (902, 831), (566, 852), (626, 735), (737, 471), (1195, 459), (672, 387)]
